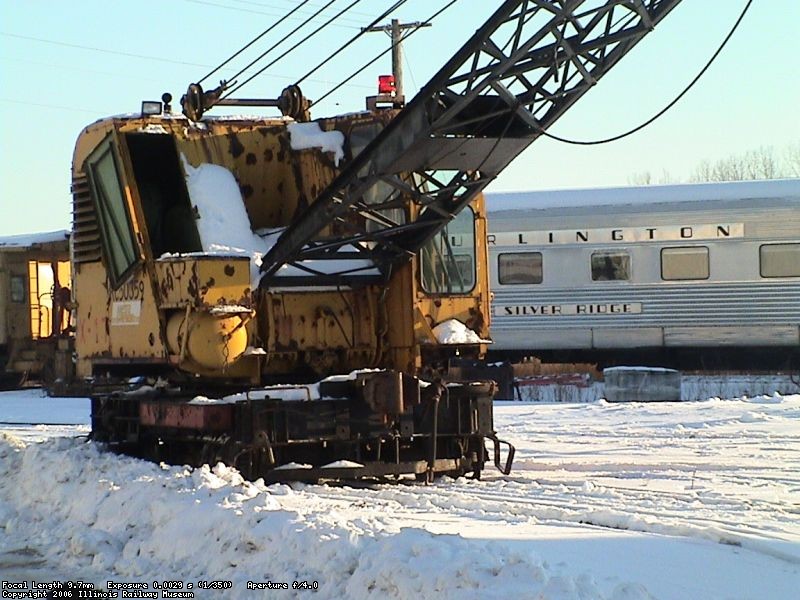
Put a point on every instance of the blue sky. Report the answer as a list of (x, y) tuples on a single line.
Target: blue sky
[(65, 64)]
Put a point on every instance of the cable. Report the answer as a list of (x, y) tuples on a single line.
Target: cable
[(668, 106), (62, 67), (354, 20), (59, 107), (410, 71), (281, 41), (103, 50), (374, 60), (254, 40), (300, 43), (363, 30)]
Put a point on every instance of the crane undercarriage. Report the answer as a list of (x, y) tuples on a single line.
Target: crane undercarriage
[(377, 424)]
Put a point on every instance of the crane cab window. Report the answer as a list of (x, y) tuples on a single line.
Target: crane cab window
[(112, 213), (780, 260), (519, 268), (611, 266), (447, 262), (683, 264)]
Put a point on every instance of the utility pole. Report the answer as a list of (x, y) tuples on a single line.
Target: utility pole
[(395, 30)]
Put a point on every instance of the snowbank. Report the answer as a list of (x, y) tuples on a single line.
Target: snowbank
[(606, 501), (115, 517)]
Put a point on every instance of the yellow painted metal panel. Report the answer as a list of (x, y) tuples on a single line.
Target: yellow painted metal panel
[(203, 281)]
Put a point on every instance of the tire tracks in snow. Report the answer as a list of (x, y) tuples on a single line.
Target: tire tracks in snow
[(560, 503)]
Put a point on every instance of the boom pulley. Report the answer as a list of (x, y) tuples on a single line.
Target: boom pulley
[(196, 102)]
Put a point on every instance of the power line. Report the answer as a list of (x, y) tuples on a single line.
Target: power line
[(275, 45), (256, 12), (262, 4), (127, 76), (254, 3), (364, 30), (62, 67), (103, 50), (41, 105)]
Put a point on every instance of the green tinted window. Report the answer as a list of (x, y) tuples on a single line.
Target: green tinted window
[(112, 214)]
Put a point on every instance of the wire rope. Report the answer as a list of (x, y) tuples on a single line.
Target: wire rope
[(255, 39), (294, 47), (279, 42), (668, 106)]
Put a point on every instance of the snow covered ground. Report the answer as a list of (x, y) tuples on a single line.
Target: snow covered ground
[(606, 501)]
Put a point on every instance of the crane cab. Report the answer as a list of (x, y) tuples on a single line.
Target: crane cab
[(173, 217)]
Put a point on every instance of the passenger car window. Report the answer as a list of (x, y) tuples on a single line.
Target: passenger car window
[(780, 260), (519, 268), (611, 266), (684, 263)]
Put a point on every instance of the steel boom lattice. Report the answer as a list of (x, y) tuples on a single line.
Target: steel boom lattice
[(513, 79)]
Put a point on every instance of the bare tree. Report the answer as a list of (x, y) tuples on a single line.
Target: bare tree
[(755, 164), (646, 178), (703, 172), (792, 161), (761, 163), (641, 178)]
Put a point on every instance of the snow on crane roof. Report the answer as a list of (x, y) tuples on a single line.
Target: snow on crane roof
[(26, 240), (224, 226), (650, 194), (309, 135)]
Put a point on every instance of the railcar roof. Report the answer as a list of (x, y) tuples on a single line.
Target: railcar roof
[(26, 240), (750, 191)]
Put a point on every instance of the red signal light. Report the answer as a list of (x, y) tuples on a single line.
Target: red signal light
[(386, 84)]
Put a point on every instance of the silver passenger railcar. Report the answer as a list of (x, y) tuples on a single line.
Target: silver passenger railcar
[(684, 275)]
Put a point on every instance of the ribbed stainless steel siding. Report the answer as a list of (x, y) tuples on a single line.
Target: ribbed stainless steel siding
[(662, 305), (736, 306)]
